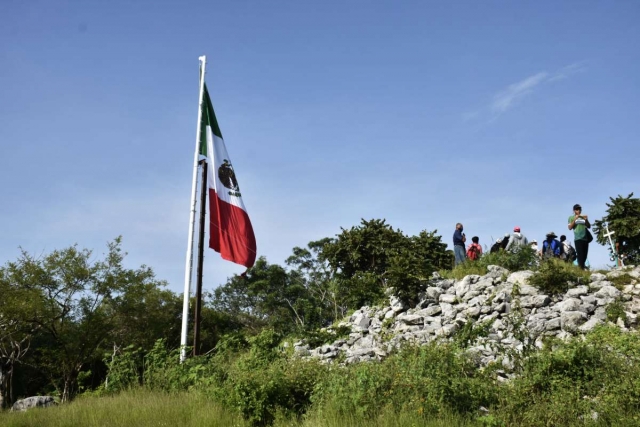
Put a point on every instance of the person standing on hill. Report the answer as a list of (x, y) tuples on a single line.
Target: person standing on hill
[(551, 247), (458, 244), (579, 223), (568, 252), (505, 241), (475, 250), (516, 241)]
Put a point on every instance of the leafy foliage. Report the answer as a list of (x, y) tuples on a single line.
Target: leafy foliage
[(524, 259), (77, 305), (565, 383), (623, 218), (616, 311), (313, 270), (370, 257), (268, 296), (555, 277), (429, 380)]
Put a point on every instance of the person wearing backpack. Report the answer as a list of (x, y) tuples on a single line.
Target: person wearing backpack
[(551, 247), (475, 250), (568, 252), (505, 241), (580, 225), (516, 241), (496, 246)]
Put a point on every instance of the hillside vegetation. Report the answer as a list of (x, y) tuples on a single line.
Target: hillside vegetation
[(103, 339)]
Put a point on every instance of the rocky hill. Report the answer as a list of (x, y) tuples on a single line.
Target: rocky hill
[(505, 313)]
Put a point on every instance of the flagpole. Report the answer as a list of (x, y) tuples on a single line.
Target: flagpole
[(188, 269), (198, 308)]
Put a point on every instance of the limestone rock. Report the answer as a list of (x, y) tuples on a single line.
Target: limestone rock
[(520, 277), (571, 320), (33, 402)]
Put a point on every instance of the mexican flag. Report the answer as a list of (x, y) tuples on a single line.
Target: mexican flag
[(230, 230)]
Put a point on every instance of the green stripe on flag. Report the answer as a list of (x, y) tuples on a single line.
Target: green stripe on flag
[(208, 119)]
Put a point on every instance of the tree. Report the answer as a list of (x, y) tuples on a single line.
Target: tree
[(267, 295), (15, 335), (360, 258), (311, 267), (76, 306), (623, 218), (369, 258)]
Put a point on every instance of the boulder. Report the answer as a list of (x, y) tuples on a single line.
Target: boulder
[(449, 299), (411, 319), (520, 277), (571, 320), (578, 291), (33, 402)]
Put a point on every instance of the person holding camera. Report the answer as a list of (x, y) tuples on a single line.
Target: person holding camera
[(579, 223)]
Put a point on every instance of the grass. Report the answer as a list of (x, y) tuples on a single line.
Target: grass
[(138, 408), (143, 408), (465, 269), (621, 281)]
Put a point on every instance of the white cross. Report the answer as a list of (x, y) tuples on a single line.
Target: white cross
[(613, 248), (609, 234)]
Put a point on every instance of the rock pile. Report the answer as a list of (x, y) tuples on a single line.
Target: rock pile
[(497, 300)]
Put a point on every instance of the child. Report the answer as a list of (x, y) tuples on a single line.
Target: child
[(475, 250)]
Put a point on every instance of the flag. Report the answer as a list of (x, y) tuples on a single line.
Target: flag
[(230, 230)]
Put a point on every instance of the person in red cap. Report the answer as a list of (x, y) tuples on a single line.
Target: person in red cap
[(516, 241)]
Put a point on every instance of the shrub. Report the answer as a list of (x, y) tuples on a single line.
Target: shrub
[(259, 390), (615, 311), (554, 276), (524, 259), (429, 380), (124, 366), (566, 383), (471, 331)]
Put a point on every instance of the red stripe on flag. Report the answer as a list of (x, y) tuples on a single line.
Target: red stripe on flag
[(230, 232)]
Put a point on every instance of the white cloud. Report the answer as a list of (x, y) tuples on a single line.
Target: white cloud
[(569, 70), (507, 98)]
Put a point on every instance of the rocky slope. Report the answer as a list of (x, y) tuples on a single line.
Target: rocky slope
[(511, 313)]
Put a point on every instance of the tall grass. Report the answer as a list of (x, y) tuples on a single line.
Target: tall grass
[(145, 408), (593, 380), (135, 408)]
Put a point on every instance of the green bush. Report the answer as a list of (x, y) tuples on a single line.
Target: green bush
[(124, 370), (524, 259), (566, 383), (261, 390), (555, 277), (615, 311), (429, 380), (563, 384)]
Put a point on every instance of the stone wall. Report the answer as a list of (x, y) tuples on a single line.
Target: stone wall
[(489, 300)]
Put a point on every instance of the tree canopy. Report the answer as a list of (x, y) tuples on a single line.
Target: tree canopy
[(623, 218)]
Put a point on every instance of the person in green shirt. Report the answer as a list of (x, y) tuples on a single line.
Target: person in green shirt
[(580, 224)]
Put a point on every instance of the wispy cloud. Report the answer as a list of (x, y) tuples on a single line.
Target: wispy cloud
[(568, 71), (507, 98)]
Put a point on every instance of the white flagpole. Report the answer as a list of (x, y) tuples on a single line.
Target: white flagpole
[(188, 269)]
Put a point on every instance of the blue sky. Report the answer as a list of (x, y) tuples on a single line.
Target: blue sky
[(493, 114)]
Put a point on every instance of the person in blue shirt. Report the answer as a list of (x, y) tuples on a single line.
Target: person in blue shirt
[(458, 244), (551, 247)]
